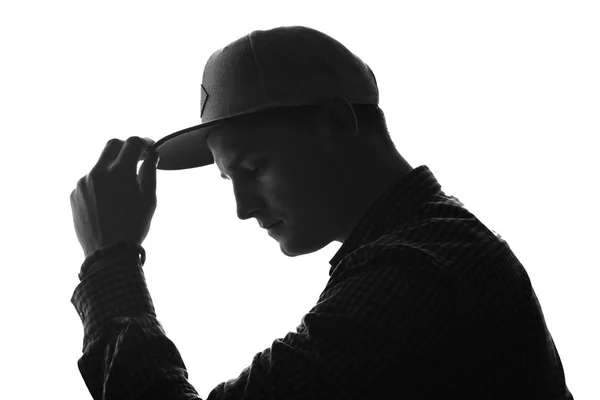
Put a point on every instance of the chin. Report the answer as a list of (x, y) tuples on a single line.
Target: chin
[(287, 253), (299, 249)]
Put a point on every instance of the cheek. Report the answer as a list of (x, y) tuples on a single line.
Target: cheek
[(286, 190), (306, 195), (299, 181)]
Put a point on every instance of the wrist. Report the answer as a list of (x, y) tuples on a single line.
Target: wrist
[(112, 259), (115, 254)]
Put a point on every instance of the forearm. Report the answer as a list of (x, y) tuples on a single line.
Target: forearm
[(132, 358), (126, 354)]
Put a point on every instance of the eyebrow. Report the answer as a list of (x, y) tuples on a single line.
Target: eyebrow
[(236, 161)]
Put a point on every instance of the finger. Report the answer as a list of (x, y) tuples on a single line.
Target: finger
[(134, 150), (147, 175), (110, 152)]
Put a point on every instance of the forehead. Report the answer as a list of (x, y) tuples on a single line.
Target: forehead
[(243, 136)]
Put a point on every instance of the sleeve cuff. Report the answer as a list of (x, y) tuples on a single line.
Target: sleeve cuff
[(115, 290)]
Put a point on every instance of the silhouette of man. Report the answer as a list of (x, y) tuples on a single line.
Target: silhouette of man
[(423, 300)]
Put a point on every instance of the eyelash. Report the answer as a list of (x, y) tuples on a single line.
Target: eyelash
[(254, 171)]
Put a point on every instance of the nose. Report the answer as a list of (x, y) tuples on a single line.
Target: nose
[(247, 201)]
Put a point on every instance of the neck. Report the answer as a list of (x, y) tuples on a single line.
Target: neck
[(369, 182)]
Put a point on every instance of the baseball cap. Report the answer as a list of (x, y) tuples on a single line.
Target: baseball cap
[(281, 67)]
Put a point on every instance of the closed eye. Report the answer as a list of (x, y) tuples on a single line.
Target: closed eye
[(255, 170), (250, 171)]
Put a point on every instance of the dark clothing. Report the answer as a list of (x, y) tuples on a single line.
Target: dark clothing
[(423, 302)]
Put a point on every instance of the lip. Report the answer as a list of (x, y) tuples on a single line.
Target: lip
[(275, 225)]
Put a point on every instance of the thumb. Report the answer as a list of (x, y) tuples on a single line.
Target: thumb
[(147, 175)]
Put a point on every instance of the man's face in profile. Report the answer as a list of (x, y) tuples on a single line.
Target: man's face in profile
[(281, 169)]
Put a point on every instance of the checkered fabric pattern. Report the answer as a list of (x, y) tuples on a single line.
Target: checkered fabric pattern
[(423, 302)]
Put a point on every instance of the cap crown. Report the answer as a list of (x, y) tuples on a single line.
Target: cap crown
[(286, 66)]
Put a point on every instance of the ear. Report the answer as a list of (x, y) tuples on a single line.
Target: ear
[(341, 117)]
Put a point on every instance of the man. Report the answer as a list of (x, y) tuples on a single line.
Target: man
[(423, 301)]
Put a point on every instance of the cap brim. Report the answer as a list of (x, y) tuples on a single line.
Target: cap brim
[(187, 148)]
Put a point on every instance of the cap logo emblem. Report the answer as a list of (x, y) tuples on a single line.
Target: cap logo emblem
[(203, 99)]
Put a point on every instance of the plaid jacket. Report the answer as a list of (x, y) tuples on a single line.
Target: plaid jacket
[(423, 302)]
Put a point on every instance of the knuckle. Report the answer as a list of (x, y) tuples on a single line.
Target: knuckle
[(135, 139), (113, 141)]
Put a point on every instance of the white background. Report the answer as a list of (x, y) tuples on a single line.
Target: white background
[(500, 99)]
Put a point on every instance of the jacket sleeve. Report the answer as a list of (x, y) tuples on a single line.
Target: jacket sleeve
[(126, 353)]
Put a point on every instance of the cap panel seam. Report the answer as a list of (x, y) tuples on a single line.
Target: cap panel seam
[(258, 66)]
